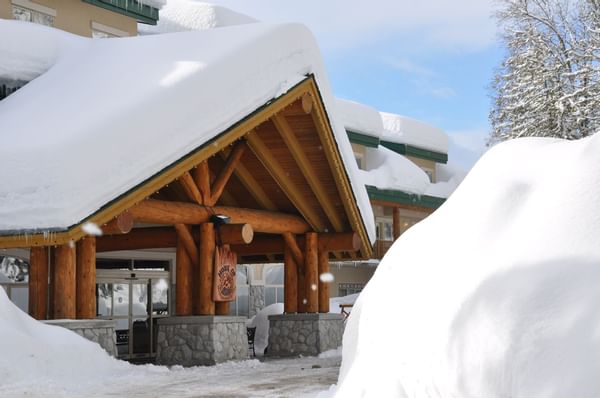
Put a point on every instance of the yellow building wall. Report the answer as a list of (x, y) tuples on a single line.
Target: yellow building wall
[(348, 274), (76, 17), (423, 163)]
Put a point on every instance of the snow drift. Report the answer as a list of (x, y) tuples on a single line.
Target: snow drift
[(507, 303)]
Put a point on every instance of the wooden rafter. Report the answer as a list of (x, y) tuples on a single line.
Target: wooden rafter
[(292, 244), (253, 187), (201, 176), (274, 168), (232, 162), (286, 132), (190, 188)]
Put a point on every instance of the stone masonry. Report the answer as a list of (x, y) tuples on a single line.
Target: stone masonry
[(201, 340), (256, 299), (304, 334), (97, 330)]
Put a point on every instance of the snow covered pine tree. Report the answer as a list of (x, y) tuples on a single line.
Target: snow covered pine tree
[(548, 84)]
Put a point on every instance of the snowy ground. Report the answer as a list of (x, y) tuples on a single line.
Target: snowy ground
[(297, 377)]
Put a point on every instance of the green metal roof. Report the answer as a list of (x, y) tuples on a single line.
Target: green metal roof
[(131, 8), (413, 151), (390, 195)]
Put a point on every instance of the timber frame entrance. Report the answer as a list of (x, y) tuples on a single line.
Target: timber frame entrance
[(277, 176)]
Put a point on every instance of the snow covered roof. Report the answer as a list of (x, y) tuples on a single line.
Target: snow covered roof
[(359, 118), (108, 115), (185, 15), (404, 130)]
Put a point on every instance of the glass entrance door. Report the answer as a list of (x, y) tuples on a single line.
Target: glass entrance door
[(135, 300)]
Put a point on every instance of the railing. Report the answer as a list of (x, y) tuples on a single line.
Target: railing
[(381, 247)]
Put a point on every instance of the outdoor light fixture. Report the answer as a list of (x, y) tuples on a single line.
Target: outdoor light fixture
[(220, 219)]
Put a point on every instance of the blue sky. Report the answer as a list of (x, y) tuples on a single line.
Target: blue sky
[(432, 59)]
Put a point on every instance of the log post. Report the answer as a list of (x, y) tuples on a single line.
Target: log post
[(38, 282), (202, 180), (52, 274), (184, 281), (206, 305), (290, 283), (311, 260), (396, 222), (323, 286), (222, 308), (64, 282), (302, 300), (86, 278)]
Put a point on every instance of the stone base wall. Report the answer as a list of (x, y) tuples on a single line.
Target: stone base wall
[(256, 300), (201, 340), (97, 330), (304, 334)]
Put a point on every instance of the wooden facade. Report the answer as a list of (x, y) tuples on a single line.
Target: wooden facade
[(277, 176)]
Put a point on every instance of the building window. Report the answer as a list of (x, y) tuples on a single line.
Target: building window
[(101, 31), (384, 229), (345, 289), (239, 307), (14, 278), (274, 285), (25, 10)]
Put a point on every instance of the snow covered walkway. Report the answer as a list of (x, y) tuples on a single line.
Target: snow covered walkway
[(297, 377)]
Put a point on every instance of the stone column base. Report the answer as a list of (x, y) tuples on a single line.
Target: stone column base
[(99, 331), (304, 334), (201, 340)]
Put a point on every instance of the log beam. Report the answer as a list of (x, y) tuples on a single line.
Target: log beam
[(311, 261), (236, 234), (38, 282), (185, 237), (290, 283), (165, 237), (86, 278), (64, 282), (202, 180), (190, 188), (292, 245), (184, 280), (254, 188), (162, 212), (121, 224), (232, 161), (206, 305)]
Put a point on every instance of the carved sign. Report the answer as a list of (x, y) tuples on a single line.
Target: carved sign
[(224, 276)]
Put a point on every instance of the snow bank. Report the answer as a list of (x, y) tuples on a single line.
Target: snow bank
[(261, 323), (507, 303), (186, 15), (404, 130), (51, 355), (359, 118), (130, 107)]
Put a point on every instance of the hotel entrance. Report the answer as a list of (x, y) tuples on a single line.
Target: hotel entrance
[(134, 293)]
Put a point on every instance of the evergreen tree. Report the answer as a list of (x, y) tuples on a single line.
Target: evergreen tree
[(548, 84)]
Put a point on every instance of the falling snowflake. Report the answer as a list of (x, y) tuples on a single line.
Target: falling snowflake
[(91, 228), (313, 286), (326, 277)]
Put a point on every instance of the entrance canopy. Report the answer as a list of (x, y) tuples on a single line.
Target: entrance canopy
[(170, 130)]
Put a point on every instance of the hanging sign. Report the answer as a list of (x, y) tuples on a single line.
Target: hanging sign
[(224, 274)]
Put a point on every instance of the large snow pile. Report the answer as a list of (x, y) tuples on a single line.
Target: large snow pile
[(359, 118), (507, 303), (185, 15), (404, 130), (51, 355), (159, 97)]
